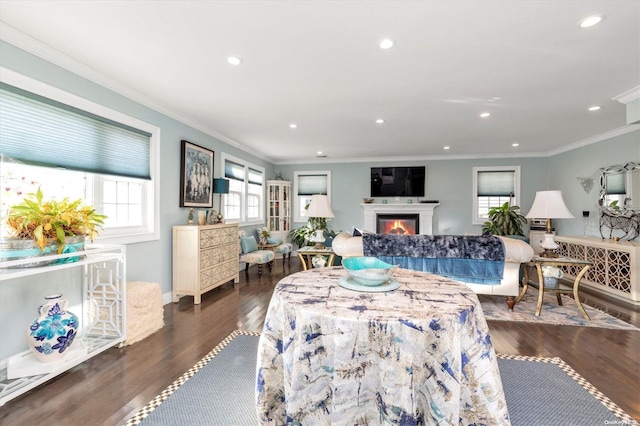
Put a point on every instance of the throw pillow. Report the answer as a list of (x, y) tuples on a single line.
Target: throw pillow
[(248, 244), (274, 240)]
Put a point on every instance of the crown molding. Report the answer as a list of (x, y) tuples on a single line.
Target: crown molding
[(42, 50), (628, 96), (595, 139), (328, 160)]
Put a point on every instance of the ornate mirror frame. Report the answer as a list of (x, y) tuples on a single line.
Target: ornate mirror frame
[(623, 218)]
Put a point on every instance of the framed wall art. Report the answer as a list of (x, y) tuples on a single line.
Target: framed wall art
[(196, 176)]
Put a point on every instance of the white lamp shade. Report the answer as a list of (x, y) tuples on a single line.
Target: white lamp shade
[(549, 205), (319, 207)]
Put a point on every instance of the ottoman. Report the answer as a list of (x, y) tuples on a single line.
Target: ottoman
[(144, 310)]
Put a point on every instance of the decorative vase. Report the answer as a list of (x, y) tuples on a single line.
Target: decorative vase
[(51, 334)]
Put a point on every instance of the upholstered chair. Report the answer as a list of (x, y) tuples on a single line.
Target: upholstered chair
[(252, 255), (282, 248)]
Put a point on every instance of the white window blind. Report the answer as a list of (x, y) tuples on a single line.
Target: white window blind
[(32, 124), (496, 183), (615, 184), (233, 170), (312, 184), (492, 187)]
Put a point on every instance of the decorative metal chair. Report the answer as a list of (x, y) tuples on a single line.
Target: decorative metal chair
[(252, 255)]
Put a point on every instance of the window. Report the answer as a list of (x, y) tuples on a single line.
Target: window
[(306, 184), (245, 201), (492, 187), (72, 147)]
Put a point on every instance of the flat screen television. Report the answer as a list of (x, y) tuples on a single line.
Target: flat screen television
[(398, 181)]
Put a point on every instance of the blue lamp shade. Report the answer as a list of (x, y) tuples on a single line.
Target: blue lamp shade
[(221, 186)]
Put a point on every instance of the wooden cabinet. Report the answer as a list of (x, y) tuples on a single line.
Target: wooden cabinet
[(279, 208), (615, 269), (204, 257)]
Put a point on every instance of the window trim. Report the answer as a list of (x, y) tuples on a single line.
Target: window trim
[(245, 194), (296, 174), (475, 217), (121, 235)]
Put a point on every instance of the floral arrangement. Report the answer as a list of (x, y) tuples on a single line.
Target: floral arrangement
[(552, 272)]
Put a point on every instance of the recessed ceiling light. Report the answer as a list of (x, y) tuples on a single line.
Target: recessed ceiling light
[(233, 60), (379, 121), (485, 114), (446, 147), (515, 144), (590, 21), (386, 43), (595, 108), (293, 125)]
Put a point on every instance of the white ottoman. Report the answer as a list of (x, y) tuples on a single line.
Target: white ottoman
[(144, 310)]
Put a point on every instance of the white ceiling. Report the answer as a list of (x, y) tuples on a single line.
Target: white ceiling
[(318, 64)]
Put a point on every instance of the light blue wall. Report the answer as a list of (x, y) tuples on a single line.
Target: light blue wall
[(448, 181), (149, 261), (585, 162)]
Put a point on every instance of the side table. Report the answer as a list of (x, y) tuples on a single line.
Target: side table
[(538, 262), (306, 254), (267, 247)]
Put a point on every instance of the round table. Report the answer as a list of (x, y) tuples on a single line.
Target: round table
[(418, 354)]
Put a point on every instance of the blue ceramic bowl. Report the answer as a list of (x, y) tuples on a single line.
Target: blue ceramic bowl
[(368, 271)]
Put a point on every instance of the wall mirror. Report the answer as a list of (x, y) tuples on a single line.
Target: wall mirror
[(619, 183), (620, 201)]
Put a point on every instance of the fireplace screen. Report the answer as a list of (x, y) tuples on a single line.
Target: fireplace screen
[(397, 223)]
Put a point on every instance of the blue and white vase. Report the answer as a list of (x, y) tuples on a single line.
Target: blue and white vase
[(51, 334)]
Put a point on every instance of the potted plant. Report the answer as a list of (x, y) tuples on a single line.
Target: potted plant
[(301, 236), (48, 223), (504, 220)]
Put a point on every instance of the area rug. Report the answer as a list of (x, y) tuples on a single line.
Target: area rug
[(220, 390), (495, 308)]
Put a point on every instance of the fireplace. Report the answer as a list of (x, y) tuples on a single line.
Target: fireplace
[(397, 223), (423, 210)]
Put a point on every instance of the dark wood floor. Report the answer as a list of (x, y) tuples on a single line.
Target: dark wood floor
[(111, 387)]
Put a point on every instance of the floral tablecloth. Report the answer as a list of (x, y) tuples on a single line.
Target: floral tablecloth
[(420, 354)]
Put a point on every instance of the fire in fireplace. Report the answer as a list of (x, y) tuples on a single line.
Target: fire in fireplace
[(397, 223)]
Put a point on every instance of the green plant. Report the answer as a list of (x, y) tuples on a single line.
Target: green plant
[(300, 236), (504, 220), (46, 221), (263, 235)]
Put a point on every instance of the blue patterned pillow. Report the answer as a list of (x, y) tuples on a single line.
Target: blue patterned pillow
[(248, 244), (274, 240)]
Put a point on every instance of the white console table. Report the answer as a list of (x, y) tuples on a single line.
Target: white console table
[(103, 323), (616, 265)]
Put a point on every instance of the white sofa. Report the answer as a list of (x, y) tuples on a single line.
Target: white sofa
[(516, 252)]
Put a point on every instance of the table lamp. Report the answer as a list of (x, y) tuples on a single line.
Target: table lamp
[(220, 186), (549, 205), (320, 207)]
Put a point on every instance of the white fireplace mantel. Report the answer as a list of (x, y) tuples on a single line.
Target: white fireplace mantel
[(424, 210)]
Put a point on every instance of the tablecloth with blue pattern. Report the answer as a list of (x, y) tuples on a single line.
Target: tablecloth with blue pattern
[(420, 354)]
